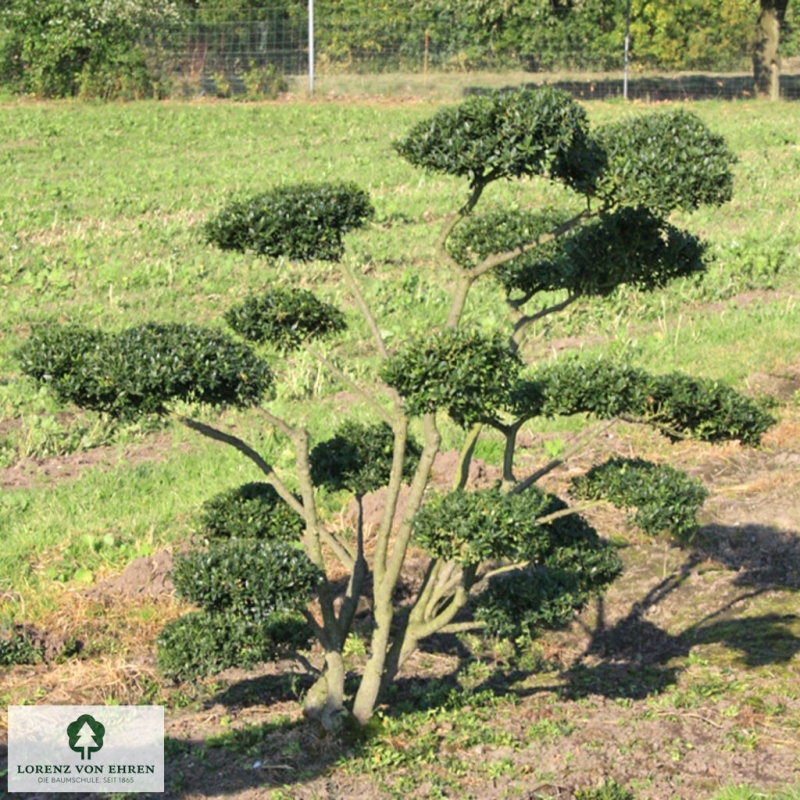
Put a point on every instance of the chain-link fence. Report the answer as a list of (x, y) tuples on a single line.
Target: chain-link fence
[(267, 51)]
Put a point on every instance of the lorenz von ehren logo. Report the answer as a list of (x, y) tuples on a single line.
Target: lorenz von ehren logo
[(86, 736), (85, 748)]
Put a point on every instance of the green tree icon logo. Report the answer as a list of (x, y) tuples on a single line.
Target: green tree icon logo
[(85, 735)]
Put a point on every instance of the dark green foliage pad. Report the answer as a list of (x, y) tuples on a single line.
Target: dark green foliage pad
[(666, 499), (141, 369), (359, 458), (664, 161), (468, 374), (472, 527), (676, 404), (250, 511), (199, 644), (565, 560), (305, 221), (506, 135), (284, 318), (250, 579), (625, 246)]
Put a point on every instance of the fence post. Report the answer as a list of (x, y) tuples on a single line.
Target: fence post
[(425, 61), (627, 48), (311, 48)]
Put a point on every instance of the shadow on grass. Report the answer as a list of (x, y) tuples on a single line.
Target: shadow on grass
[(631, 656), (656, 89)]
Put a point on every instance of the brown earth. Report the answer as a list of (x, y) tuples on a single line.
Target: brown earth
[(33, 472)]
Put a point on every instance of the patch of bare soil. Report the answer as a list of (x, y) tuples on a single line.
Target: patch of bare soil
[(34, 472), (146, 576)]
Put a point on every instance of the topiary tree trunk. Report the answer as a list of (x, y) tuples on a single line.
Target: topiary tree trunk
[(508, 561), (766, 48)]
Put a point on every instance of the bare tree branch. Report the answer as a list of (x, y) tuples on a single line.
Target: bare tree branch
[(556, 462), (246, 450), (490, 262), (365, 310), (346, 379)]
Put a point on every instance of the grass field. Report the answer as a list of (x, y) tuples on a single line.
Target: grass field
[(100, 207)]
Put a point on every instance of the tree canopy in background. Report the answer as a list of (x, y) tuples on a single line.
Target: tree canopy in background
[(51, 48)]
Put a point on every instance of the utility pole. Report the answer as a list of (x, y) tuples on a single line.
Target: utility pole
[(311, 47)]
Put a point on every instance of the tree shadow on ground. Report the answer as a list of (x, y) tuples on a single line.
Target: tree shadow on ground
[(657, 89), (630, 658)]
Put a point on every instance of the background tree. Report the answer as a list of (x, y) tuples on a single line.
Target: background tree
[(90, 48), (766, 47), (509, 560)]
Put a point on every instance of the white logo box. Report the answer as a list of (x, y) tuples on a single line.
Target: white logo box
[(86, 749)]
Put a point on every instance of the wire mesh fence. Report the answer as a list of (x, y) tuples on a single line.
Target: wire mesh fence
[(267, 50)]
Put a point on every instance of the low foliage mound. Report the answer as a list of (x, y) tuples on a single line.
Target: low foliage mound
[(199, 644), (666, 500), (306, 221), (252, 582)]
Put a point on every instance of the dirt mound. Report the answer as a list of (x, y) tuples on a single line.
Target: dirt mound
[(49, 645), (146, 576)]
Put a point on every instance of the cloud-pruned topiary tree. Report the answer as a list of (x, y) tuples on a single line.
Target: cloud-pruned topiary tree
[(508, 560)]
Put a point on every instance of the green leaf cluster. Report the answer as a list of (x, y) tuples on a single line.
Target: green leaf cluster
[(250, 511), (624, 246), (488, 524), (505, 135), (199, 644), (245, 578), (664, 161), (252, 594), (304, 221), (665, 498), (284, 318), (676, 404), (141, 369), (473, 527), (359, 458), (565, 560), (17, 648), (610, 790), (464, 372)]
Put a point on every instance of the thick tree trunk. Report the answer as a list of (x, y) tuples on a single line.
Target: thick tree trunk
[(766, 49), (325, 699)]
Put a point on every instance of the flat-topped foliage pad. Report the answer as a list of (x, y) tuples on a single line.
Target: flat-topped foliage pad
[(303, 222)]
